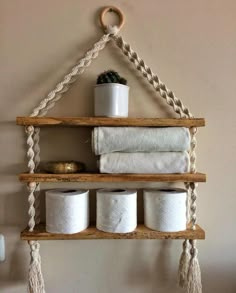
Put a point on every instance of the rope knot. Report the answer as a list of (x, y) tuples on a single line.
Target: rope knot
[(185, 244), (34, 247), (29, 129), (193, 250), (112, 29), (32, 186), (35, 252)]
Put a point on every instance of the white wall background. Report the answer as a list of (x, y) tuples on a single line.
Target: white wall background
[(191, 45)]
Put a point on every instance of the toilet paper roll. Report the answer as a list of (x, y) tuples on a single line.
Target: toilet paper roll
[(67, 211), (116, 210), (165, 209)]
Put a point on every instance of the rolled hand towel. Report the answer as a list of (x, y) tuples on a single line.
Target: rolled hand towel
[(160, 162), (140, 139)]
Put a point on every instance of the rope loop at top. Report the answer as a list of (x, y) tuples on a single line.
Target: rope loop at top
[(112, 29)]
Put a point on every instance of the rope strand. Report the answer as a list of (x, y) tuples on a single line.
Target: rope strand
[(70, 78), (153, 79)]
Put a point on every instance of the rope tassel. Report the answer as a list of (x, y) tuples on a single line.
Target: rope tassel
[(194, 283), (36, 282), (184, 265)]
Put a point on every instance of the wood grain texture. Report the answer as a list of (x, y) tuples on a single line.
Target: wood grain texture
[(104, 121), (98, 177), (141, 232)]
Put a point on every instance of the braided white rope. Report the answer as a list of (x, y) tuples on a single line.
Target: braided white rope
[(70, 78), (36, 137), (161, 88), (33, 152), (36, 282), (193, 144), (193, 185), (30, 151), (37, 203), (153, 79), (170, 99), (31, 201), (187, 186), (193, 205), (37, 161), (56, 94)]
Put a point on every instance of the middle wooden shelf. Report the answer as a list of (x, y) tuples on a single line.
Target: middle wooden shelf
[(100, 177)]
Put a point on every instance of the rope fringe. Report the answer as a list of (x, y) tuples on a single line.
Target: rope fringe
[(184, 265), (36, 282), (194, 283)]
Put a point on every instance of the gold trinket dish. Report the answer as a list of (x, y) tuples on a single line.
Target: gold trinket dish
[(64, 167)]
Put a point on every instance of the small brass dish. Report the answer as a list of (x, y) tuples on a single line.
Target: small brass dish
[(64, 167)]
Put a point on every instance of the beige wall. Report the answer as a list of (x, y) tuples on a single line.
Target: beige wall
[(191, 45)]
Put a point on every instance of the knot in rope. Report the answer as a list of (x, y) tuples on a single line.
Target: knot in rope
[(29, 129), (112, 29), (34, 246), (185, 244), (193, 250), (193, 185), (32, 185)]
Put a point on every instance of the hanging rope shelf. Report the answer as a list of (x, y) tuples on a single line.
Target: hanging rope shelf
[(189, 272)]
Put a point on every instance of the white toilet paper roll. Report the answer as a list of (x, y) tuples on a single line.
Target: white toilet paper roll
[(67, 211), (116, 210), (165, 209)]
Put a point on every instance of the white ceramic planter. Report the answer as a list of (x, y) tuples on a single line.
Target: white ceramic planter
[(111, 100)]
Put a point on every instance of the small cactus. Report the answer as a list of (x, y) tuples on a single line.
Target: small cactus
[(111, 76)]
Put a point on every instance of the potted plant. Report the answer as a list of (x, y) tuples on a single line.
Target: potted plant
[(111, 95)]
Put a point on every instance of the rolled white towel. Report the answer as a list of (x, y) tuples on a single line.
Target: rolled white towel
[(140, 139), (160, 162)]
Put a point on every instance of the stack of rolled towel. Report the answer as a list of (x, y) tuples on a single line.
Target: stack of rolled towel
[(142, 149)]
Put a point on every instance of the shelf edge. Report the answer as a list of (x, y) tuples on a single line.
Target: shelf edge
[(106, 121), (101, 177), (92, 233)]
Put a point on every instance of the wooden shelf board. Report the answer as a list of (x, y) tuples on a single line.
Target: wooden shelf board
[(141, 232), (105, 121), (98, 177)]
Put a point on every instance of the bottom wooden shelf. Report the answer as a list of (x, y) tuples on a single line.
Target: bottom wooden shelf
[(141, 232)]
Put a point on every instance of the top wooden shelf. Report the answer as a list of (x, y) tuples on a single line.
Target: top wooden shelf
[(104, 121)]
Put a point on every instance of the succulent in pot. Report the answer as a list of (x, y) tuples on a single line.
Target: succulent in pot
[(111, 95)]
